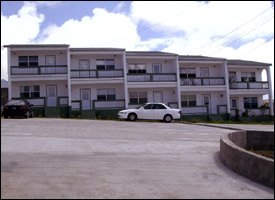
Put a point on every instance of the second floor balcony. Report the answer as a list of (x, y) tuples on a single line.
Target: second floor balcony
[(202, 81), (152, 77), (38, 70), (92, 73), (248, 85)]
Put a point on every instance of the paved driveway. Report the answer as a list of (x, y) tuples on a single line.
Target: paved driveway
[(65, 158)]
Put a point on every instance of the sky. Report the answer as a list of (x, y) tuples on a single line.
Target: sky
[(232, 30)]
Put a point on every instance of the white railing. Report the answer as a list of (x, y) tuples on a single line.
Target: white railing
[(164, 77), (53, 70), (194, 110), (108, 104), (36, 102), (258, 85), (76, 105), (248, 85), (63, 101), (258, 111), (202, 81), (138, 78), (110, 73), (222, 109), (19, 71)]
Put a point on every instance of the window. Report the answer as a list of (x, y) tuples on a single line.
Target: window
[(27, 60), (30, 91), (106, 94), (250, 102), (148, 106), (188, 100), (84, 64), (188, 73), (159, 106), (50, 60), (105, 64), (248, 77), (138, 97), (137, 69)]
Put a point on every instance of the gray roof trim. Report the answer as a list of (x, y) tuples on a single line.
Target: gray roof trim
[(36, 45), (247, 63), (96, 49), (149, 53), (199, 58)]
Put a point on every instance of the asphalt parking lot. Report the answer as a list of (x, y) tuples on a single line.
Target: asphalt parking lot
[(66, 158)]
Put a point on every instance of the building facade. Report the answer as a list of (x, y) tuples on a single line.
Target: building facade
[(61, 81)]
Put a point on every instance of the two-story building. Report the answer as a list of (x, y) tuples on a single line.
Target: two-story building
[(60, 80)]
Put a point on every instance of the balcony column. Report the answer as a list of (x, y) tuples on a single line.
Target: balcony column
[(125, 79), (178, 82), (69, 77), (9, 73), (227, 88), (270, 99)]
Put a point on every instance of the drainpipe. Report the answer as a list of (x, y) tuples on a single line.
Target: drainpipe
[(69, 79)]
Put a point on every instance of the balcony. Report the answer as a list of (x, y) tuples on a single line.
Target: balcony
[(201, 81), (109, 104), (38, 70), (150, 77), (194, 110), (91, 73), (248, 85)]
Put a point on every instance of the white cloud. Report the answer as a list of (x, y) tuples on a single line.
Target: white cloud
[(21, 28), (103, 29)]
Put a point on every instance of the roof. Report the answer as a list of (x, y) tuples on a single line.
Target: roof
[(149, 53), (247, 63), (36, 45), (199, 58), (96, 49)]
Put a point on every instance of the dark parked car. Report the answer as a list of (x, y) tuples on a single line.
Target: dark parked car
[(18, 108)]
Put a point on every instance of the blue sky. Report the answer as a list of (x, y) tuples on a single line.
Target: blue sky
[(233, 30)]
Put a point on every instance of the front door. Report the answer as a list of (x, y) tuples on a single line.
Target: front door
[(205, 75), (85, 96), (51, 96), (157, 97), (206, 101)]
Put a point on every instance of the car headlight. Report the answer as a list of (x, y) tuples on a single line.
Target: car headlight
[(122, 112)]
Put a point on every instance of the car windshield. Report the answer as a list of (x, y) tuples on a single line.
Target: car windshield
[(16, 102)]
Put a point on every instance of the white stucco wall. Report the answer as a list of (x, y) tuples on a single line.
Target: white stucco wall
[(167, 65), (61, 87), (119, 89), (76, 57), (61, 56)]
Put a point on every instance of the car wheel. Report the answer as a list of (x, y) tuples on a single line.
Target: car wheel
[(27, 114), (168, 118), (132, 117)]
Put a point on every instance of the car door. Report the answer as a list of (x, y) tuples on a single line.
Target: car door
[(159, 111), (146, 112)]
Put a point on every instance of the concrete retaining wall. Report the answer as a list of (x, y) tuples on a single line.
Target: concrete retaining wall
[(248, 164)]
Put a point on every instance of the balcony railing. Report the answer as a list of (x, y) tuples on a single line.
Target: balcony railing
[(152, 77), (63, 101), (250, 112), (38, 70), (92, 73), (248, 85), (221, 109), (109, 104), (37, 101), (194, 110), (198, 81)]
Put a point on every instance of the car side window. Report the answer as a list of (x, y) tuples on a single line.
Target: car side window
[(147, 107), (159, 106)]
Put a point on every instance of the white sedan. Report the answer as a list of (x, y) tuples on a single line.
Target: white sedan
[(154, 111)]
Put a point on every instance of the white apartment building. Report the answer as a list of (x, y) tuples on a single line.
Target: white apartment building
[(58, 79)]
